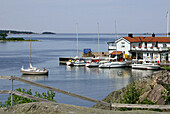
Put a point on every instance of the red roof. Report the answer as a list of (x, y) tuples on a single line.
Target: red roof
[(118, 53), (148, 39)]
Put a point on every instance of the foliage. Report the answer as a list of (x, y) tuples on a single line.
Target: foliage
[(18, 39), (15, 39), (19, 100), (166, 94), (132, 94), (167, 68), (3, 35)]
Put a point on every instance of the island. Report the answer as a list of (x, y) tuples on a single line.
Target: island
[(4, 35)]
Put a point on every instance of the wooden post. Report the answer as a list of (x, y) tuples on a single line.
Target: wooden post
[(11, 91)]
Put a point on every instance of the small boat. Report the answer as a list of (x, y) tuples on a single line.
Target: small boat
[(146, 66), (70, 63), (33, 70), (79, 62), (113, 65), (92, 64)]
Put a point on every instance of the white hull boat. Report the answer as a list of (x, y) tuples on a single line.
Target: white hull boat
[(79, 63), (113, 65), (34, 71), (146, 66), (93, 64), (70, 63)]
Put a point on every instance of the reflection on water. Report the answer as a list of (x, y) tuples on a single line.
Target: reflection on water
[(133, 74), (35, 77), (141, 73)]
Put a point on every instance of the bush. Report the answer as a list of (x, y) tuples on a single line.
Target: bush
[(19, 100)]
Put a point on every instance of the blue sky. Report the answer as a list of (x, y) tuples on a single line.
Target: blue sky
[(61, 16)]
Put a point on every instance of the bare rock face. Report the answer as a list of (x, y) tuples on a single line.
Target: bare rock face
[(164, 79), (155, 95)]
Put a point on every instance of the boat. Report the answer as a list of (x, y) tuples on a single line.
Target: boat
[(70, 63), (79, 61), (95, 61), (33, 70), (115, 64), (146, 66)]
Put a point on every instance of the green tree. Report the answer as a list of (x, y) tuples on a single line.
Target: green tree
[(3, 35)]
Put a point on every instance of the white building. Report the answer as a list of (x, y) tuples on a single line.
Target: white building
[(145, 48)]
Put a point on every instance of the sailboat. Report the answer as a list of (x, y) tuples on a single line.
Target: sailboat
[(115, 64), (93, 63), (78, 61), (33, 70)]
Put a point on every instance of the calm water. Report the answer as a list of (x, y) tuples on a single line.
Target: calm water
[(91, 82)]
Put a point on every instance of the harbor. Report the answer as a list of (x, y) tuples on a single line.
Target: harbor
[(94, 82)]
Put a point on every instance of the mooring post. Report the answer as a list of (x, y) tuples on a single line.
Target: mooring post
[(12, 91)]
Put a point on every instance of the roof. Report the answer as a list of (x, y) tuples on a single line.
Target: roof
[(148, 39), (114, 53)]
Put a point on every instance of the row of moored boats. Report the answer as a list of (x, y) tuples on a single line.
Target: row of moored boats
[(111, 64)]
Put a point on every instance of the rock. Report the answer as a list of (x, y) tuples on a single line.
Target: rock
[(144, 96), (155, 95), (57, 108)]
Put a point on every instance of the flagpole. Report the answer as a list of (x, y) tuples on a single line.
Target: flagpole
[(167, 16), (98, 40)]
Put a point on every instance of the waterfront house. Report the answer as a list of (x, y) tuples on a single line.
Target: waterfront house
[(144, 48)]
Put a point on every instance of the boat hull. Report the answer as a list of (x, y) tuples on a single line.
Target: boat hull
[(145, 67), (34, 72), (92, 65), (113, 65)]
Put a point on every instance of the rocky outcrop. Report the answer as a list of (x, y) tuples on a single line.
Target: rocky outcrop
[(152, 87), (56, 108)]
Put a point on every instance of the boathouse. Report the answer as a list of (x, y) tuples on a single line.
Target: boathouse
[(142, 48)]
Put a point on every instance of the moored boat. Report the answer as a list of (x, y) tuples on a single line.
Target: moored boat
[(115, 64), (33, 70), (146, 66)]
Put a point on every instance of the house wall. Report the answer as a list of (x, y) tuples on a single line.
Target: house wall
[(123, 46)]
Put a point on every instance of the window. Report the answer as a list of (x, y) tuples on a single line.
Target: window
[(139, 44), (164, 45), (123, 46), (123, 42), (145, 44)]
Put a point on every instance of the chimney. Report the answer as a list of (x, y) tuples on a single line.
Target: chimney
[(130, 35), (153, 35)]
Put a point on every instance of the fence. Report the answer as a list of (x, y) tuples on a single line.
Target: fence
[(111, 105)]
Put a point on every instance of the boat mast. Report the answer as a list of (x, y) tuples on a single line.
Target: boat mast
[(98, 40), (167, 17), (30, 53), (77, 39), (116, 38)]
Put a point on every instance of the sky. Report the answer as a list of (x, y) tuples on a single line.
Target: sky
[(61, 16)]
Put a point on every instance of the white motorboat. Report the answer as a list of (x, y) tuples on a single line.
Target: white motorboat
[(113, 65), (92, 64), (79, 62), (146, 66), (70, 63), (33, 70)]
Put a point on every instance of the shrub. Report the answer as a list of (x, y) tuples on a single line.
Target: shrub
[(19, 100)]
